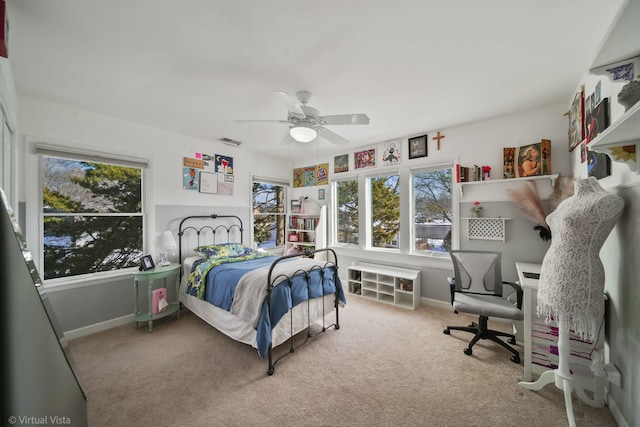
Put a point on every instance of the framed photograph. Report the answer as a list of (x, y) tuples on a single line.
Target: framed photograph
[(146, 263), (341, 163), (296, 206), (293, 237), (321, 194), (364, 159), (418, 147), (576, 121)]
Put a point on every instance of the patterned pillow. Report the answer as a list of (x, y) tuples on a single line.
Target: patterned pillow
[(224, 250)]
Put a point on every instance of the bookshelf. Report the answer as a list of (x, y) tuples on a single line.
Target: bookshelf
[(306, 231)]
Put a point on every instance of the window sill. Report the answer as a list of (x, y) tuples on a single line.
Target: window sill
[(65, 284)]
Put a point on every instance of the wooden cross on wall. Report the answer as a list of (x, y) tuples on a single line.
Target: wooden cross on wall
[(438, 138)]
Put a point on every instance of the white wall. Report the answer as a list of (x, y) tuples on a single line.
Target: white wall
[(46, 122), (91, 302), (478, 143)]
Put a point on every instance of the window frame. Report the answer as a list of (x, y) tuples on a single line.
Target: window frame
[(286, 211), (78, 154), (406, 234), (454, 203), (369, 206), (334, 213)]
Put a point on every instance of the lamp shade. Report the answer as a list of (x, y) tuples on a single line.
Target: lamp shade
[(303, 133), (165, 240)]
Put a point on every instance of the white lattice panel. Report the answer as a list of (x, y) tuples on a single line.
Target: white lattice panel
[(486, 229)]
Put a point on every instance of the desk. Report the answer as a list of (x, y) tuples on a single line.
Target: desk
[(579, 361), (150, 276)]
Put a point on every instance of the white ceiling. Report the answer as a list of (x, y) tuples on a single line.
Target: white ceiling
[(196, 66)]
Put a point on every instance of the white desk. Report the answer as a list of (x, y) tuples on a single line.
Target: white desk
[(529, 286)]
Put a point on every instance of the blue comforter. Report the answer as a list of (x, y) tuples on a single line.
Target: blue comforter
[(222, 280)]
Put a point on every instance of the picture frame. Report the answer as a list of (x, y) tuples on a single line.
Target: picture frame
[(146, 263), (321, 194), (341, 163), (391, 153), (576, 120), (293, 237), (364, 159), (296, 207), (418, 147)]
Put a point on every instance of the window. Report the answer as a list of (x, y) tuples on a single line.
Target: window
[(269, 213), (347, 212), (92, 214), (385, 211), (432, 209)]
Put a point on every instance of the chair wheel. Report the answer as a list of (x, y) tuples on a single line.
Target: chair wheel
[(446, 332), (515, 359), (512, 341), (468, 351)]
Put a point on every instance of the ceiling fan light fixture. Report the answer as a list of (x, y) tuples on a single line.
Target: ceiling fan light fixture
[(303, 133)]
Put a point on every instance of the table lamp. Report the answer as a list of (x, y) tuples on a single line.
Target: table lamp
[(165, 243)]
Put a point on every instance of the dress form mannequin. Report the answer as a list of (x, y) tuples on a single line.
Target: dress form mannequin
[(571, 285)]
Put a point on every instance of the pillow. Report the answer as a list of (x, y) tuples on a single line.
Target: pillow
[(224, 250)]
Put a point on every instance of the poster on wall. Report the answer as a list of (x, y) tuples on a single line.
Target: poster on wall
[(208, 182), (390, 152), (310, 176), (364, 159), (224, 168), (190, 178), (206, 173), (322, 174)]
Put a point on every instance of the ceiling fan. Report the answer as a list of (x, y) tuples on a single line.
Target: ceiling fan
[(306, 123)]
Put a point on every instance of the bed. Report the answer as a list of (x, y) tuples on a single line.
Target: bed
[(255, 298)]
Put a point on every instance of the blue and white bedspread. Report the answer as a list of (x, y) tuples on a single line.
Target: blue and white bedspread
[(241, 288)]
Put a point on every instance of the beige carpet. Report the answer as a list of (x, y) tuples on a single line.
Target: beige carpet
[(385, 366)]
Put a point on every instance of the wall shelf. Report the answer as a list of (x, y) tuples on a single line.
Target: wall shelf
[(620, 44), (504, 184), (486, 228), (624, 132)]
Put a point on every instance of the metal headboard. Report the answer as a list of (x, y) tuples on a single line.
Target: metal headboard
[(218, 225)]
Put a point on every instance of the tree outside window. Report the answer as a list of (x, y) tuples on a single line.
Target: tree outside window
[(92, 217), (385, 211), (347, 212), (269, 214), (432, 210)]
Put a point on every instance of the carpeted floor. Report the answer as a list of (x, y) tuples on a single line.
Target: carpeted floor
[(385, 366)]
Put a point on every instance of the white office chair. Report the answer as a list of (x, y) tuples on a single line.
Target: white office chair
[(477, 289)]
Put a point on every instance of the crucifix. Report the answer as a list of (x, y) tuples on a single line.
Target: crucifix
[(438, 138)]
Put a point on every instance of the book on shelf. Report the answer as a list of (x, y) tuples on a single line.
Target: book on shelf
[(471, 173)]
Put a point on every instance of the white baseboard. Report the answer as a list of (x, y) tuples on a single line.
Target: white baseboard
[(446, 305), (615, 413), (98, 327)]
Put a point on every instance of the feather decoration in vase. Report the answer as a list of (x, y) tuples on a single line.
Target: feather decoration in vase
[(528, 201), (562, 189)]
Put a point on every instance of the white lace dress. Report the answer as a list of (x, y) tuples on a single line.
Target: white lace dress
[(572, 275)]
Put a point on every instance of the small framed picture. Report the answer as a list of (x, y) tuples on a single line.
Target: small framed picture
[(418, 147), (293, 237), (146, 263), (321, 194)]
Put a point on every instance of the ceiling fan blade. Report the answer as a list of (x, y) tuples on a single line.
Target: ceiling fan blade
[(330, 136), (292, 103), (346, 119), (262, 121)]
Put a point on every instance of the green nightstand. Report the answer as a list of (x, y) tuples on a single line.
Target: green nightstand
[(166, 272)]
